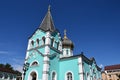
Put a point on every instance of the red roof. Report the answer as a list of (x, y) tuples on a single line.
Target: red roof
[(7, 70), (111, 67)]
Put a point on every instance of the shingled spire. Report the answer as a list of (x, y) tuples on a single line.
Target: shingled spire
[(47, 23)]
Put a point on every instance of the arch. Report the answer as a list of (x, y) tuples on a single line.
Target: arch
[(52, 42), (93, 71), (88, 76), (54, 75), (33, 75), (58, 45), (69, 76), (43, 38), (1, 75), (11, 77), (34, 63), (37, 40), (5, 76), (32, 42)]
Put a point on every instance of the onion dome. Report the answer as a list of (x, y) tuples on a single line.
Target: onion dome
[(67, 43)]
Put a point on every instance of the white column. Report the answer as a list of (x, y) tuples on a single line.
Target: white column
[(46, 58), (80, 66), (64, 52)]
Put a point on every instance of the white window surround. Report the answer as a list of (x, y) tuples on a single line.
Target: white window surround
[(55, 74), (88, 75), (37, 42), (33, 62), (67, 73), (30, 77)]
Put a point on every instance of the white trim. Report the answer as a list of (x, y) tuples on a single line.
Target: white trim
[(87, 75), (47, 52), (80, 68), (69, 72), (29, 75), (55, 74)]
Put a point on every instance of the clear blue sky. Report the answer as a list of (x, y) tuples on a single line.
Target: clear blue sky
[(93, 26)]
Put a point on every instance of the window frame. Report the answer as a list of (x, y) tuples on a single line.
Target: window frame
[(66, 77), (52, 75)]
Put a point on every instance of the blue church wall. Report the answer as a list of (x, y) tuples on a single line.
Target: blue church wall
[(54, 63), (96, 72), (38, 35), (35, 56), (86, 69), (56, 37), (69, 65)]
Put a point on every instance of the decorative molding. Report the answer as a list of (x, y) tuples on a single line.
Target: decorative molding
[(45, 72), (33, 62), (46, 62), (79, 63)]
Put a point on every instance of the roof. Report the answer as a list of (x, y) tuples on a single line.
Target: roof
[(7, 70), (47, 23), (84, 57), (111, 67)]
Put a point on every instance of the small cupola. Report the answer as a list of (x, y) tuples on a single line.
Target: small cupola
[(67, 46), (67, 43)]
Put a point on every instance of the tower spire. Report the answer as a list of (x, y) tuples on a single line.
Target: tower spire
[(65, 35), (49, 8), (47, 23)]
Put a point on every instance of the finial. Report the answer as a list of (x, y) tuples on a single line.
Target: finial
[(65, 36), (49, 8), (65, 32)]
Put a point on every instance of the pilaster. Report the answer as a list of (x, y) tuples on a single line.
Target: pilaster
[(45, 72), (80, 66)]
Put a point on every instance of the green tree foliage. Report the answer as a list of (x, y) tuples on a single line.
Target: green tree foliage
[(8, 66)]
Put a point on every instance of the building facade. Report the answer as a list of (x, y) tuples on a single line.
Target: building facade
[(6, 74), (111, 72), (50, 57)]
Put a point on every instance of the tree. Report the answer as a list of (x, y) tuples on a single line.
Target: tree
[(8, 66), (2, 65)]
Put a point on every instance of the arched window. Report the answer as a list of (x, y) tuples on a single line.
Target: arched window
[(43, 38), (88, 76), (32, 43), (53, 76), (35, 63), (33, 76), (67, 51), (1, 75), (37, 42), (52, 41), (11, 77), (58, 45), (69, 76), (5, 76), (94, 71)]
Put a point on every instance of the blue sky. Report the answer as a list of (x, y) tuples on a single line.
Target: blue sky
[(93, 26)]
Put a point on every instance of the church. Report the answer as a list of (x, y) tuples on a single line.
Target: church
[(50, 56)]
